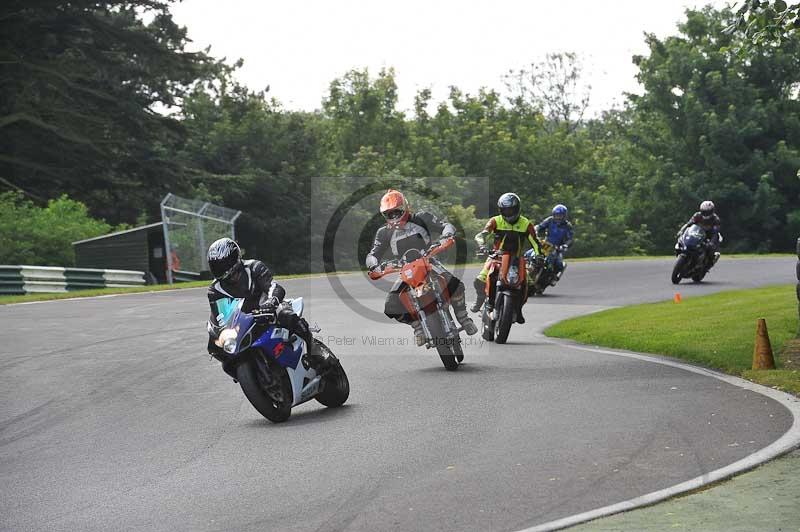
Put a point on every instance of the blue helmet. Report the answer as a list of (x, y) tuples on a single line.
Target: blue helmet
[(560, 212)]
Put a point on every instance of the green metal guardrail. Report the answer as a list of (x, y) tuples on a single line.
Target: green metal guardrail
[(17, 279)]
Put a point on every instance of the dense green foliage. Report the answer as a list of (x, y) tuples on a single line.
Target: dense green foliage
[(80, 84), (716, 120), (43, 236), (767, 21)]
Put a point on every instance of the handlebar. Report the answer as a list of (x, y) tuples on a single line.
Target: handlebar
[(490, 254), (265, 314), (393, 266)]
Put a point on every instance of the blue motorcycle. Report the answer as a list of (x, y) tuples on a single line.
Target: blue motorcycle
[(693, 260), (268, 363)]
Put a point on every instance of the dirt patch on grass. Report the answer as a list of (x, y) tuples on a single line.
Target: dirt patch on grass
[(790, 354)]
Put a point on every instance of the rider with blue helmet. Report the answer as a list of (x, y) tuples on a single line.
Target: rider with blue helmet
[(558, 232)]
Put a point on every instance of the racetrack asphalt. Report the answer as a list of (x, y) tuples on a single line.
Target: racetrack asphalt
[(112, 417)]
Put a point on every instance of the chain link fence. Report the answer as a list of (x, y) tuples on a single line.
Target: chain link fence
[(189, 227)]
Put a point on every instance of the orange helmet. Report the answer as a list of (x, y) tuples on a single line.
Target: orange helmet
[(394, 208)]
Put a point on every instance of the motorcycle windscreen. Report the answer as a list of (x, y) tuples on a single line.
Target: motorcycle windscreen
[(694, 236), (227, 308)]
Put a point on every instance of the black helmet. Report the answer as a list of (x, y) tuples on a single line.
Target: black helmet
[(509, 205), (224, 258)]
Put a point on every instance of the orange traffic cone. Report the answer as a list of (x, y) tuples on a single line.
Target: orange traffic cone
[(762, 352), (677, 297)]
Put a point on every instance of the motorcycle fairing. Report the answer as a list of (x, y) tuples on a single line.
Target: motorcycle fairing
[(305, 383), (505, 266), (287, 350), (426, 298), (415, 273), (275, 343), (693, 238)]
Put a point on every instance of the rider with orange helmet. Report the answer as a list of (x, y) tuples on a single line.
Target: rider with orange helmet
[(405, 230)]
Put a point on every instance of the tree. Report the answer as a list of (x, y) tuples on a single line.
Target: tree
[(83, 82), (361, 112), (716, 123), (43, 236), (766, 21), (553, 86)]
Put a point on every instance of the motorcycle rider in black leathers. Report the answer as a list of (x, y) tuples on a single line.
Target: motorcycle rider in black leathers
[(252, 280), (405, 230), (707, 218)]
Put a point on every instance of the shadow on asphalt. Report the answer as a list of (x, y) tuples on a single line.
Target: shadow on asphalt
[(702, 284), (546, 295), (317, 414), (465, 367)]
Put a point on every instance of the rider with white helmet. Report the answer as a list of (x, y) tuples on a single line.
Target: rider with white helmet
[(708, 219)]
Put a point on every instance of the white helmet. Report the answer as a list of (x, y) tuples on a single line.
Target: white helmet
[(707, 209)]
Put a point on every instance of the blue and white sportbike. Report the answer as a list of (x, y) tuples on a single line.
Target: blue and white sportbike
[(269, 364), (695, 257)]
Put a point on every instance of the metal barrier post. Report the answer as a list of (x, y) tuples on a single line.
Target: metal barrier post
[(165, 223)]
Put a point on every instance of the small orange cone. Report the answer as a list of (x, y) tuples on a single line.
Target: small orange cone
[(762, 352), (677, 297)]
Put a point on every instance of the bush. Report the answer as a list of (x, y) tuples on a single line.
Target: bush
[(43, 236)]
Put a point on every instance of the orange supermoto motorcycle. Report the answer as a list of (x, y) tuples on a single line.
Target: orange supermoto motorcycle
[(506, 288), (427, 299)]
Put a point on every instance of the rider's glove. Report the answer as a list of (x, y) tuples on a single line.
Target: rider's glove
[(271, 303), (374, 272)]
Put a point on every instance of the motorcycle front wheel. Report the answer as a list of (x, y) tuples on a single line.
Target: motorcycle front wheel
[(677, 270), (449, 349), (503, 317), (266, 387)]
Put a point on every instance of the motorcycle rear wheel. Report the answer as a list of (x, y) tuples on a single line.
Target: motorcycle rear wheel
[(335, 385), (257, 380)]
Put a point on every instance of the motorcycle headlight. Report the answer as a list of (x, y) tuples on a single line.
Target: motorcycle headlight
[(513, 275), (421, 289), (228, 340)]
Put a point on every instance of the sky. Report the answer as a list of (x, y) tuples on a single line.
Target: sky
[(297, 47)]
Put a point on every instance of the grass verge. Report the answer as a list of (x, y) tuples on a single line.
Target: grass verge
[(716, 331)]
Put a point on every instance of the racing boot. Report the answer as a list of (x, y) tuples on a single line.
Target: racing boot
[(419, 334), (559, 274), (319, 359), (460, 309), (480, 296), (520, 317)]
